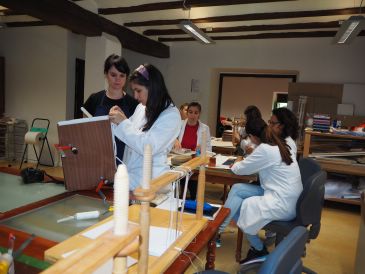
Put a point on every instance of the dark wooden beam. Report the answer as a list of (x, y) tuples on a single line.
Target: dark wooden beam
[(26, 24), (250, 17), (311, 25), (262, 36), (71, 16), (179, 5)]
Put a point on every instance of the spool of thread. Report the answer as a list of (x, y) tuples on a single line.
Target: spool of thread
[(32, 137)]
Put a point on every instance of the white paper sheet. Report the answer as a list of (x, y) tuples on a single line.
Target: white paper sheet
[(160, 238)]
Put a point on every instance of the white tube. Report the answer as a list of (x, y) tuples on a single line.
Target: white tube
[(87, 215), (87, 114)]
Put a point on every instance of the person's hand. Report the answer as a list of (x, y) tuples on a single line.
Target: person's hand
[(248, 149), (177, 145), (116, 115), (238, 159), (235, 138), (226, 123)]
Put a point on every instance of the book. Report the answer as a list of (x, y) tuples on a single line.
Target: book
[(211, 213)]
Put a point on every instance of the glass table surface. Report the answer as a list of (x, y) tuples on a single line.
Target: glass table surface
[(14, 193), (42, 221)]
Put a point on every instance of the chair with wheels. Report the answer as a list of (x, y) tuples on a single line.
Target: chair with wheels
[(309, 205)]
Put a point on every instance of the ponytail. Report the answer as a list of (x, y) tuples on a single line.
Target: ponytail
[(275, 140)]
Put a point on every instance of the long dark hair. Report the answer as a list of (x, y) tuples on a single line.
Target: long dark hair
[(158, 99), (252, 112), (289, 122), (258, 128)]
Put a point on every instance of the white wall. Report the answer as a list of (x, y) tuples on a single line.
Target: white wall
[(38, 73), (316, 60)]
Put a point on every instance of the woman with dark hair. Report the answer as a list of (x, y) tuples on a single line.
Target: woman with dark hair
[(254, 206), (251, 112), (284, 123), (156, 121), (116, 71), (190, 137)]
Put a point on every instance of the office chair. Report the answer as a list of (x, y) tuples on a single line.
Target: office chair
[(309, 204), (286, 257)]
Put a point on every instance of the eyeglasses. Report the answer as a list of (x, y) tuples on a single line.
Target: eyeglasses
[(273, 123)]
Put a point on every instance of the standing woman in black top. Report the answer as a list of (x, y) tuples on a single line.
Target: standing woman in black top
[(116, 71)]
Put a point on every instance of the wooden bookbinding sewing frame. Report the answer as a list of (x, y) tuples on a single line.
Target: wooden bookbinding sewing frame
[(91, 254)]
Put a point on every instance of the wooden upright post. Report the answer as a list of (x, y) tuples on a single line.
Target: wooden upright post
[(201, 178), (144, 217)]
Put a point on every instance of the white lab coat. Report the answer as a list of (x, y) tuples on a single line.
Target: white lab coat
[(160, 136), (293, 147), (282, 186), (201, 127)]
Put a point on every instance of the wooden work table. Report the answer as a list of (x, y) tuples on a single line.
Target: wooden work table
[(39, 245)]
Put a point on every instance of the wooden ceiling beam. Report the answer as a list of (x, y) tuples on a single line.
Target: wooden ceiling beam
[(26, 24), (72, 17), (307, 34), (310, 25), (250, 17), (179, 5)]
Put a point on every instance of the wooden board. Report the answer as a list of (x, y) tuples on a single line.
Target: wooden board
[(95, 156)]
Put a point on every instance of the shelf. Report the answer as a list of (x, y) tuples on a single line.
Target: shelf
[(345, 201), (331, 148)]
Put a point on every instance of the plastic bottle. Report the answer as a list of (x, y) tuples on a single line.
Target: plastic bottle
[(6, 264)]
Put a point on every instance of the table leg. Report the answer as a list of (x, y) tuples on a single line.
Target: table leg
[(210, 254), (224, 198), (239, 245)]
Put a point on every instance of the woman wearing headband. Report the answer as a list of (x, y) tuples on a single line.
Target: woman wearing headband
[(156, 121), (116, 71)]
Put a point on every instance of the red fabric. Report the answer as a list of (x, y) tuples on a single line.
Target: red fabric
[(190, 137)]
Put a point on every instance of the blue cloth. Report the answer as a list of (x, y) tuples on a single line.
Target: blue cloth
[(238, 193)]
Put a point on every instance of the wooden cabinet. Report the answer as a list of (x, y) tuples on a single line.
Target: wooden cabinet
[(336, 153)]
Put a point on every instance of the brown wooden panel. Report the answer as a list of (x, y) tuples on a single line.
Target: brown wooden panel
[(179, 5), (94, 158), (250, 17), (311, 25)]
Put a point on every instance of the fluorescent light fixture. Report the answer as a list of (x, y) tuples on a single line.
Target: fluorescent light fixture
[(349, 30), (195, 32)]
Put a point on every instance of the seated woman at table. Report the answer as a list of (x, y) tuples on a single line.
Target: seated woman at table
[(190, 137), (156, 121), (251, 112), (254, 206), (284, 123)]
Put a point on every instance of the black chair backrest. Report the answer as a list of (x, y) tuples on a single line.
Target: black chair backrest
[(307, 168), (286, 257), (310, 203)]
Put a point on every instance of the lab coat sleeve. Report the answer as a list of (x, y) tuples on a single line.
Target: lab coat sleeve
[(209, 145), (160, 136), (257, 160)]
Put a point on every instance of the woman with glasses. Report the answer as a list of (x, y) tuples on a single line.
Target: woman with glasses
[(156, 121), (279, 190), (285, 124)]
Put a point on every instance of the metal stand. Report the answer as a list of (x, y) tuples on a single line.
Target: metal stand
[(44, 130)]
